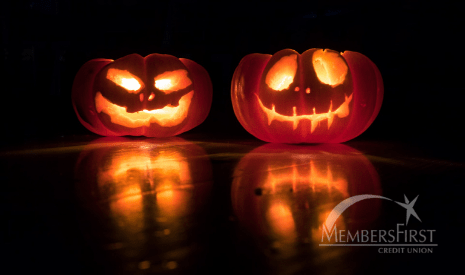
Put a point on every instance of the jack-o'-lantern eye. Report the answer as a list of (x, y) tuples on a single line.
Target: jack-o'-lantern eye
[(125, 79), (330, 67), (281, 75), (172, 81)]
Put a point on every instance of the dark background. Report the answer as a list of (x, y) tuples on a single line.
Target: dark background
[(45, 42), (413, 43)]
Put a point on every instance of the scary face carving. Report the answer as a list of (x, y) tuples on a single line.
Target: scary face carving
[(159, 95), (318, 96)]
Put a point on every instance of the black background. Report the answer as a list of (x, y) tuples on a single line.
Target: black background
[(45, 42), (413, 43)]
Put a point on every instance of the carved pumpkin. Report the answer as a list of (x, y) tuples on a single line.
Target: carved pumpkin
[(286, 192), (156, 96), (316, 97), (143, 198)]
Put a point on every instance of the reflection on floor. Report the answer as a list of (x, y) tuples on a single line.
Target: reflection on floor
[(131, 205)]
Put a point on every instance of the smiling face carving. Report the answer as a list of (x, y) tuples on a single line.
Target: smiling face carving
[(298, 88), (318, 96)]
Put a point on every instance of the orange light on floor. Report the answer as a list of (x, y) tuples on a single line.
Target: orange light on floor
[(280, 220), (131, 176), (284, 193)]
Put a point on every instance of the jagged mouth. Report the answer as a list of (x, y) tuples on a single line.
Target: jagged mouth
[(167, 116), (341, 111)]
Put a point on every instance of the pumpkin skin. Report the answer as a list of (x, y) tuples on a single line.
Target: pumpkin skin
[(156, 96), (320, 96), (285, 192)]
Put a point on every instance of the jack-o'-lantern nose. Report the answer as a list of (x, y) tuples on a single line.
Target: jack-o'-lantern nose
[(149, 98)]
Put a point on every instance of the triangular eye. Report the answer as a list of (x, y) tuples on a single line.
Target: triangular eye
[(125, 79), (172, 81), (281, 75), (330, 67)]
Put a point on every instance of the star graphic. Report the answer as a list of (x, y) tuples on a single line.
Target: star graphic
[(409, 206)]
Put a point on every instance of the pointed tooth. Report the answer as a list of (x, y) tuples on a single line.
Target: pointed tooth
[(295, 121), (270, 115), (314, 124), (343, 111), (350, 97), (330, 120)]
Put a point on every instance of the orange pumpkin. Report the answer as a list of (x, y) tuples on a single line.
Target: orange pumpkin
[(155, 96), (316, 97)]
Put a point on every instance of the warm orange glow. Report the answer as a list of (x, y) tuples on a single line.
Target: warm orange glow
[(172, 81), (166, 163), (174, 202), (280, 219), (125, 79), (315, 118), (281, 75), (168, 116), (303, 175), (317, 233), (127, 205), (135, 175), (314, 177), (121, 164), (141, 161), (167, 172), (330, 67)]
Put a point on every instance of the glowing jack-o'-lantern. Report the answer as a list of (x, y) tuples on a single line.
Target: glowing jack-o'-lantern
[(286, 192), (143, 198), (320, 96), (156, 96)]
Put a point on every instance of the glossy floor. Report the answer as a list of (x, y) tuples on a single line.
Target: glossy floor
[(140, 206)]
